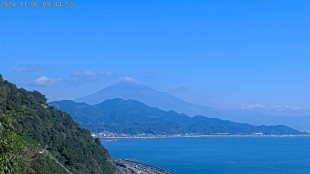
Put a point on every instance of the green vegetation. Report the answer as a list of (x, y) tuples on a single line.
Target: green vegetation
[(133, 117), (12, 145), (36, 138)]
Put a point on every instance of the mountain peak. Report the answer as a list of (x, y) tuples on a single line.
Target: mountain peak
[(129, 88), (125, 80)]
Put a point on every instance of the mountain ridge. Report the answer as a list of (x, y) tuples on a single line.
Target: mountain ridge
[(134, 117), (128, 88)]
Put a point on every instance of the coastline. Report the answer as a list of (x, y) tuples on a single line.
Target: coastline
[(221, 154), (131, 167), (200, 136)]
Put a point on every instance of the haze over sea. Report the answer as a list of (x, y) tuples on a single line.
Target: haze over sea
[(218, 155)]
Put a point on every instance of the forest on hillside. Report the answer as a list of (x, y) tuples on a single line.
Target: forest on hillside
[(37, 138)]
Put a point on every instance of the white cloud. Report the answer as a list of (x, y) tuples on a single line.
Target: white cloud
[(109, 74), (45, 81), (22, 68), (127, 79), (93, 75), (252, 106), (86, 73), (287, 108), (276, 108)]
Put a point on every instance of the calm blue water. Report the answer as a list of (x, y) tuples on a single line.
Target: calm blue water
[(219, 155)]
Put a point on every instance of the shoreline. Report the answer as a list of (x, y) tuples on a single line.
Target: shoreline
[(202, 136), (123, 165)]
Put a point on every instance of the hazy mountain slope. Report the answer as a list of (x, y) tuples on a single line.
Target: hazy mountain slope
[(133, 117), (258, 118), (127, 88), (53, 134)]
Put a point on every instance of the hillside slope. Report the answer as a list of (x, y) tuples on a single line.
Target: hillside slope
[(133, 117), (57, 143)]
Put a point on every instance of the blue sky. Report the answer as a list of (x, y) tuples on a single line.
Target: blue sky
[(219, 53)]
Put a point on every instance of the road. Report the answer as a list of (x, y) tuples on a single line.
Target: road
[(128, 167)]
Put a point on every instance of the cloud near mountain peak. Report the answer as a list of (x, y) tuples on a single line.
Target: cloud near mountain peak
[(126, 80), (46, 81), (86, 73)]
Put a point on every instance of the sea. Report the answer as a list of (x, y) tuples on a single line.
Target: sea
[(218, 155)]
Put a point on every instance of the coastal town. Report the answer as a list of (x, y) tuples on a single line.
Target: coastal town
[(109, 136)]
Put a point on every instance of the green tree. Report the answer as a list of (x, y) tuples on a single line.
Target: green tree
[(36, 138), (12, 145)]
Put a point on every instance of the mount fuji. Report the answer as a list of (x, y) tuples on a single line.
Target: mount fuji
[(128, 88)]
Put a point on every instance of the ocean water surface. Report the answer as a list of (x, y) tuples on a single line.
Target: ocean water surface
[(217, 155)]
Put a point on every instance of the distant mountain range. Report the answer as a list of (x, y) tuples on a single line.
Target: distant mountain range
[(134, 117), (257, 117), (127, 88)]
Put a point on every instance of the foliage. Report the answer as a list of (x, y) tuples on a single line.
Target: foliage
[(51, 141), (12, 145)]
